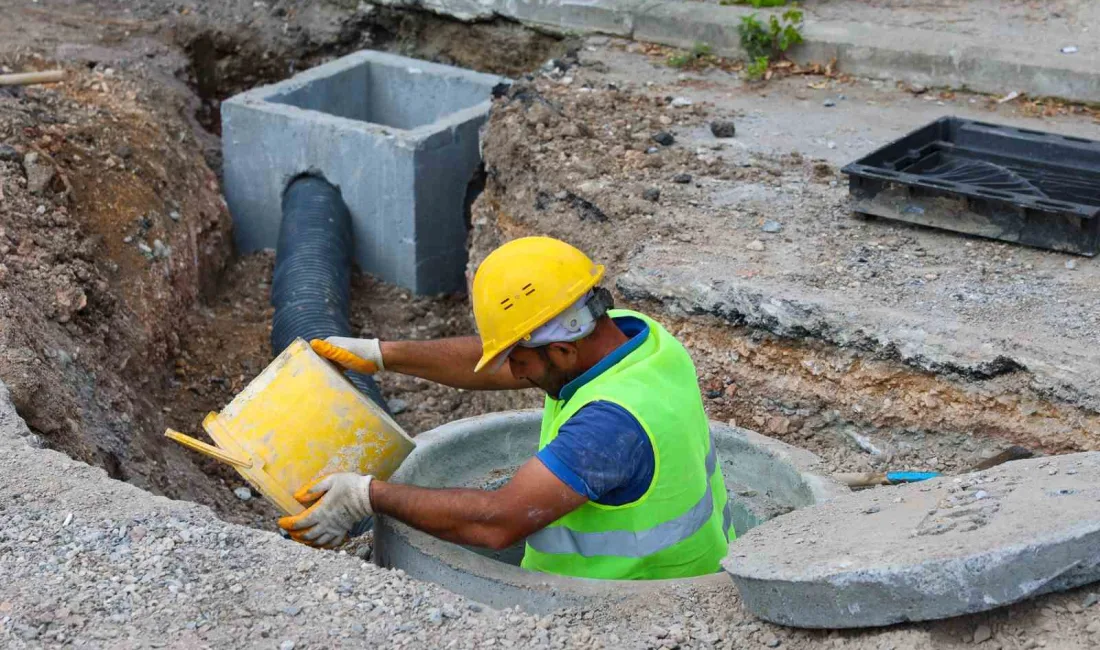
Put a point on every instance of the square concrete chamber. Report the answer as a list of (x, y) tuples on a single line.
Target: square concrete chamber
[(397, 136)]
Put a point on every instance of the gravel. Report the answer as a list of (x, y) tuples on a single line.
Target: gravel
[(131, 569)]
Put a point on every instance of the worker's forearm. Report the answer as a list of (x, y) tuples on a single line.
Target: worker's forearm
[(461, 516), (447, 361)]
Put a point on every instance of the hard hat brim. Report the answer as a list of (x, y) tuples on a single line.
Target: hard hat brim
[(495, 362)]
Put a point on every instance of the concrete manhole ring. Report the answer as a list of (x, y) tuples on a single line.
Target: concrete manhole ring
[(765, 478)]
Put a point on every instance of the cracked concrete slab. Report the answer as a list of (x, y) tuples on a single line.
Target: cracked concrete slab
[(946, 547)]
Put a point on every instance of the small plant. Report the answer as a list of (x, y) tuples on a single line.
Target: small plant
[(684, 59), (757, 69), (769, 41), (756, 4)]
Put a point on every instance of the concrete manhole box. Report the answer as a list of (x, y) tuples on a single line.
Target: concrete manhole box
[(397, 136), (764, 478)]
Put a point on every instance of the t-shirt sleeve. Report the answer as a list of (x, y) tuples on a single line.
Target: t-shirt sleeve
[(603, 453)]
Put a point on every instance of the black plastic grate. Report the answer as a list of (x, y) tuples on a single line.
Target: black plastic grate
[(1035, 188)]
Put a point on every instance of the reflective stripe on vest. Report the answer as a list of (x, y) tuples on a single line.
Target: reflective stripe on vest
[(627, 543)]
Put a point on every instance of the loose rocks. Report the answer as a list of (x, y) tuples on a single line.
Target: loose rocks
[(982, 634), (8, 153), (723, 128), (652, 194), (664, 138), (39, 174), (683, 179)]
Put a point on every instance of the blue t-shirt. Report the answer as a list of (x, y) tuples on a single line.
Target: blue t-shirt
[(602, 451)]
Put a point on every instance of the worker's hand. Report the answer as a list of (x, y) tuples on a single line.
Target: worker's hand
[(339, 502), (359, 355)]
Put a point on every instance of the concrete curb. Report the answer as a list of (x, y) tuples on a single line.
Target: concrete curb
[(914, 56)]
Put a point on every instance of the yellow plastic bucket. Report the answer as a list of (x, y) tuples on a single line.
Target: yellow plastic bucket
[(301, 419)]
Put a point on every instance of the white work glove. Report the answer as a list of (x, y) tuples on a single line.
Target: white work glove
[(344, 501), (365, 354)]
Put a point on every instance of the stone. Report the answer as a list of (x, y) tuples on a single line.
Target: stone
[(771, 226), (397, 405), (39, 174), (658, 632), (1093, 627), (723, 128), (292, 610), (160, 249), (1090, 599), (924, 556), (828, 103), (755, 245), (982, 634), (1071, 264), (398, 136), (682, 179), (770, 640), (652, 194), (287, 645), (243, 493), (9, 153), (680, 102), (664, 138)]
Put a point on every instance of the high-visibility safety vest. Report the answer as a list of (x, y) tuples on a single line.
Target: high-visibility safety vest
[(681, 526)]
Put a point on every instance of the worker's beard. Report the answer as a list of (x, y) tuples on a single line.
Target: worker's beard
[(554, 379)]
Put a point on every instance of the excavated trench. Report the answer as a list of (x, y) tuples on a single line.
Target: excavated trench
[(236, 318), (215, 338), (141, 338)]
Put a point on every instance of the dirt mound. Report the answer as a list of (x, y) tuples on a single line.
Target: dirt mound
[(111, 226)]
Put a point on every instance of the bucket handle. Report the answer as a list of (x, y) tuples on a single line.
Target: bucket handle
[(209, 450)]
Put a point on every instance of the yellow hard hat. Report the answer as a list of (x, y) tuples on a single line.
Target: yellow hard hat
[(524, 284)]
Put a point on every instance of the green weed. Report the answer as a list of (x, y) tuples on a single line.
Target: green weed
[(768, 41), (756, 4), (683, 59), (757, 69)]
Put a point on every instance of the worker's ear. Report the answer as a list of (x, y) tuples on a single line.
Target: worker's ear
[(562, 355)]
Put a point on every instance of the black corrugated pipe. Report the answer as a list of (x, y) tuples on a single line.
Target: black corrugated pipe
[(311, 285)]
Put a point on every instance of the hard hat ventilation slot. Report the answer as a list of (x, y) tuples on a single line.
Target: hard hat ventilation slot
[(507, 303), (528, 290)]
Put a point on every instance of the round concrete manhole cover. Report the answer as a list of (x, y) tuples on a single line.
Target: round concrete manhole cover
[(929, 550)]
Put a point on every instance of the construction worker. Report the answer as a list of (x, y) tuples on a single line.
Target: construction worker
[(625, 484)]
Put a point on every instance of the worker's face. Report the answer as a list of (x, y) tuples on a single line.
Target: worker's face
[(549, 368)]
